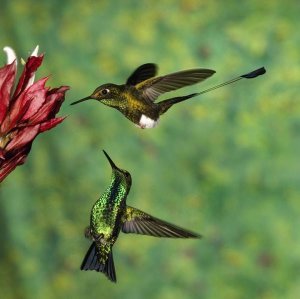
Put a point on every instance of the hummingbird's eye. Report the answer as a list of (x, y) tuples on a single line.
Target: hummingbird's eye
[(105, 91)]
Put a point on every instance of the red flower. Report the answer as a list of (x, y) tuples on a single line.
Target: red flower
[(25, 112)]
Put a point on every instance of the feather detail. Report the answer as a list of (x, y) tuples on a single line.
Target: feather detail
[(138, 222), (142, 73), (154, 87), (91, 262)]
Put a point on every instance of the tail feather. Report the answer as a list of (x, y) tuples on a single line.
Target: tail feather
[(91, 262), (109, 268), (167, 104), (255, 73)]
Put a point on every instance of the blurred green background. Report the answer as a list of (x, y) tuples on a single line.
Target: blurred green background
[(225, 165)]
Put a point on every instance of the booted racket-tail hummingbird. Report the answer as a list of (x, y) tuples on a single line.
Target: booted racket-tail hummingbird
[(136, 99)]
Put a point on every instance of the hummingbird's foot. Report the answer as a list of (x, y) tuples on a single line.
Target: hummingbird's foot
[(88, 233)]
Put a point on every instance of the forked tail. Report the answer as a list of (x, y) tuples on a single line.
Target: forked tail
[(91, 262), (167, 104)]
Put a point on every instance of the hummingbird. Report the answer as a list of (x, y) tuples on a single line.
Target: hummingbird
[(110, 215), (136, 99)]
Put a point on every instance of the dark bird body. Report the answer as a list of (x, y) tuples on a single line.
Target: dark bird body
[(110, 215), (136, 99)]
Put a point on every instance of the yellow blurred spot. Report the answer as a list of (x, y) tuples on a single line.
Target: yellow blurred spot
[(252, 241), (234, 257), (62, 281)]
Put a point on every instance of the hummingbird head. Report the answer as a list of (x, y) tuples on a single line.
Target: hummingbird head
[(121, 175), (107, 94)]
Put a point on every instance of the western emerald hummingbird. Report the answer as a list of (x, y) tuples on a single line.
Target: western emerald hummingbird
[(110, 215)]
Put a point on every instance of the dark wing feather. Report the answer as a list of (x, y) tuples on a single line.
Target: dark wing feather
[(138, 222), (154, 87), (142, 73)]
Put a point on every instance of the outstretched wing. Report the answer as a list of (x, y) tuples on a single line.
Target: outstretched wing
[(142, 73), (154, 87), (138, 222)]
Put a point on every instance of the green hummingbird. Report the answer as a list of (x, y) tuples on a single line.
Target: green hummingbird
[(136, 99), (110, 215)]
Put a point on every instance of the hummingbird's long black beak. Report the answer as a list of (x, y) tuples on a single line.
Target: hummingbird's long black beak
[(249, 75), (82, 100), (112, 164)]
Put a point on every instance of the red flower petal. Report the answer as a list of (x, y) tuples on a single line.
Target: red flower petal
[(36, 93), (1, 156), (7, 77), (50, 107), (10, 164), (25, 106), (60, 90), (31, 66), (23, 137), (47, 125), (29, 111)]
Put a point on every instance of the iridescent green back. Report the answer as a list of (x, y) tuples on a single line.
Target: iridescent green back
[(107, 211)]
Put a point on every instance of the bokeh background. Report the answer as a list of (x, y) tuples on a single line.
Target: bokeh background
[(225, 164)]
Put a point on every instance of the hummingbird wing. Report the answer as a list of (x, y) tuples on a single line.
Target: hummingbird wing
[(142, 73), (138, 222), (154, 87)]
